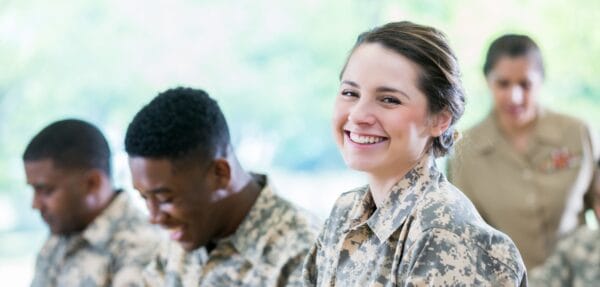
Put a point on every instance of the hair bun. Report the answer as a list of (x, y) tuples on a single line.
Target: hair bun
[(456, 136)]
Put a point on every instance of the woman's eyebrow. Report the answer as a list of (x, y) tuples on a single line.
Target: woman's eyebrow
[(350, 83), (392, 90)]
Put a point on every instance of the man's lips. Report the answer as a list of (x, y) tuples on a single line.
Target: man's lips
[(175, 231), (176, 234), (45, 217)]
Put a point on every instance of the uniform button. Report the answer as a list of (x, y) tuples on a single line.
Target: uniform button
[(527, 174)]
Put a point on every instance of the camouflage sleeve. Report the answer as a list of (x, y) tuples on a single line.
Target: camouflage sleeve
[(556, 271), (129, 276), (291, 272), (443, 258), (154, 273), (40, 273), (132, 260), (309, 270)]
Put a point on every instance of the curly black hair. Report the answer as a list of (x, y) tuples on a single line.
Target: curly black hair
[(177, 123), (70, 144)]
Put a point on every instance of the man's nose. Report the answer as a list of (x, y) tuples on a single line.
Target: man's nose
[(36, 202)]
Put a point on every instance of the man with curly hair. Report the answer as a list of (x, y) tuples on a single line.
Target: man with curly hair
[(231, 228)]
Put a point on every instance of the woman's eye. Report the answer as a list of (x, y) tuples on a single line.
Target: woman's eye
[(502, 84), (347, 93), (391, 100)]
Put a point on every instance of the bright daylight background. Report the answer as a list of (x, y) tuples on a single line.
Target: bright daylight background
[(272, 65)]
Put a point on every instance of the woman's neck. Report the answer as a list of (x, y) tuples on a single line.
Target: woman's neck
[(381, 183), (517, 135)]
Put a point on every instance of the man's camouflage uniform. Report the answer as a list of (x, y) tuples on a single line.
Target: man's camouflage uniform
[(112, 251), (575, 262), (267, 249)]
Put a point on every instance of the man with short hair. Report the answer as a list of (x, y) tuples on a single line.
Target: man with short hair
[(97, 236), (232, 229)]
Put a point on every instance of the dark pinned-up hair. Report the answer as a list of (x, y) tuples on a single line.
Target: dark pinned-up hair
[(439, 77), (178, 123), (513, 46), (71, 144)]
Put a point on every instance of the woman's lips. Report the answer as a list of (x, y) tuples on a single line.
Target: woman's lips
[(364, 139)]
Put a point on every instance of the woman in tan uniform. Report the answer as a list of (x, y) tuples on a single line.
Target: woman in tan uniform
[(399, 98), (525, 168)]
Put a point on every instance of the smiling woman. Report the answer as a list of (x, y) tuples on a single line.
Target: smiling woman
[(399, 98), (381, 117)]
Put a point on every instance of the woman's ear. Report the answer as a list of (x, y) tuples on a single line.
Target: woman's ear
[(440, 123)]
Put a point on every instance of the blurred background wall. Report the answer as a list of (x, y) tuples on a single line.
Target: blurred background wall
[(272, 65)]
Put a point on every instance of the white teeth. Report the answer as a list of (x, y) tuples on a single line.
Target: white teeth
[(365, 139), (173, 229)]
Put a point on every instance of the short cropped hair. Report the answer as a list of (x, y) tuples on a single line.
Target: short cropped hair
[(71, 144), (177, 124)]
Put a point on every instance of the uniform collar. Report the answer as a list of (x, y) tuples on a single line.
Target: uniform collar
[(100, 232), (490, 135), (250, 238), (401, 201)]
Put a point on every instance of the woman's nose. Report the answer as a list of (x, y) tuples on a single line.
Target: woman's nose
[(362, 113), (516, 95)]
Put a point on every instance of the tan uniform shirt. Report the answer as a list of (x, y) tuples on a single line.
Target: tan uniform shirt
[(575, 262), (267, 249), (112, 251), (534, 197), (426, 233)]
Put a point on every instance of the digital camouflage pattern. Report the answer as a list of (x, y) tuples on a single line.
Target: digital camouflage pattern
[(427, 233), (575, 262), (112, 251), (267, 249)]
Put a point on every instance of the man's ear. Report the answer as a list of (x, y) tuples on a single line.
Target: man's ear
[(440, 123), (222, 172), (92, 181)]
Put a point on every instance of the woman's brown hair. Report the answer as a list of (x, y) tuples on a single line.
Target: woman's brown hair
[(439, 77)]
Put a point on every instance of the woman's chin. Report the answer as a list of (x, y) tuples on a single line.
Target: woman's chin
[(360, 165)]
